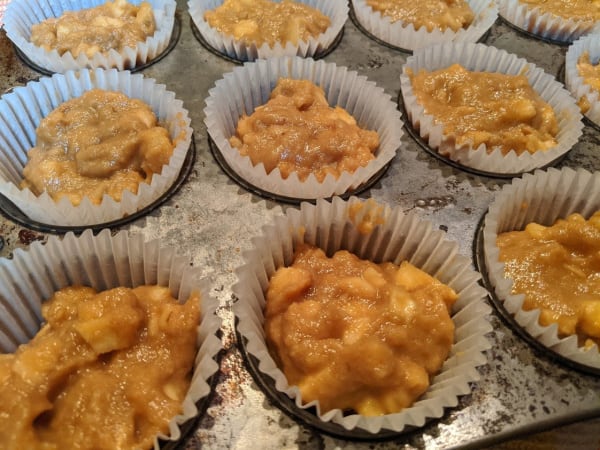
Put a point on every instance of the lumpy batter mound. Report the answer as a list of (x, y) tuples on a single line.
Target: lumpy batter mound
[(114, 25), (495, 109), (557, 268), (355, 335), (100, 143), (431, 14), (107, 370), (297, 131), (591, 76), (264, 21)]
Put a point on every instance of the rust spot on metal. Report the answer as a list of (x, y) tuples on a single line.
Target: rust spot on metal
[(26, 237)]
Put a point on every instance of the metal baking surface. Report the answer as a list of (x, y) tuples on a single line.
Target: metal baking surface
[(212, 218)]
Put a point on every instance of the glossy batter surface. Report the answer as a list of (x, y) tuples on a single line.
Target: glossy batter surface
[(355, 335), (264, 21), (495, 109), (114, 25), (297, 131), (558, 270), (585, 10), (431, 14), (100, 143), (107, 370)]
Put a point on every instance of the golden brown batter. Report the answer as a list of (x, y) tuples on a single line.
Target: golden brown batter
[(355, 335), (558, 270), (100, 143), (297, 131), (495, 109), (114, 25), (584, 10), (431, 14), (107, 370), (264, 21), (591, 76)]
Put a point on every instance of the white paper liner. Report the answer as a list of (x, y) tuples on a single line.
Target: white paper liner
[(482, 58), (548, 196), (247, 87), (21, 112), (336, 10), (22, 14), (400, 237), (574, 82), (104, 262), (544, 25), (403, 35), (3, 4)]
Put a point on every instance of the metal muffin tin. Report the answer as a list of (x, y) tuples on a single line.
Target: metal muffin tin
[(212, 217)]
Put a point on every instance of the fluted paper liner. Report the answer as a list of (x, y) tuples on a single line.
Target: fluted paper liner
[(482, 58), (336, 10), (404, 35), (105, 262), (547, 196), (21, 15), (401, 237), (247, 87), (574, 81), (545, 25), (21, 112)]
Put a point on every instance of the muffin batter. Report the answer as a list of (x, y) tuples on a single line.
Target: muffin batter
[(558, 270), (591, 76), (264, 21), (297, 131), (100, 143), (107, 370), (355, 335), (583, 10), (495, 109), (114, 25), (431, 14)]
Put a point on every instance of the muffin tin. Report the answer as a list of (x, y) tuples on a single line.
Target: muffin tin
[(521, 390)]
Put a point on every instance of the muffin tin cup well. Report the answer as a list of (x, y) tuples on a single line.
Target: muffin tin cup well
[(318, 55), (424, 144), (545, 26), (482, 58), (574, 82), (8, 208), (31, 103), (340, 225), (241, 91), (174, 38), (22, 14), (104, 261), (280, 198), (401, 35), (314, 47), (543, 198)]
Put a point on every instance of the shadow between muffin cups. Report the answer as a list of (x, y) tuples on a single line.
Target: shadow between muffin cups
[(105, 261), (22, 14), (333, 226), (247, 87), (31, 103), (542, 197), (336, 10), (482, 58)]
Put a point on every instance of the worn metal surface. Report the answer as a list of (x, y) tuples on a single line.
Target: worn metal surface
[(212, 219)]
